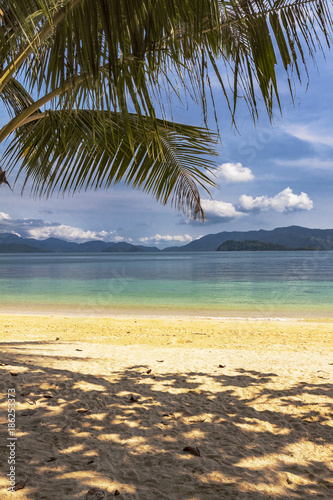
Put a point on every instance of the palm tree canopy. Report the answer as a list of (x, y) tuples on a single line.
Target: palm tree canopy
[(84, 82)]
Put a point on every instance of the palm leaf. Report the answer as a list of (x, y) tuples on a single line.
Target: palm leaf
[(15, 97), (143, 48), (85, 149), (109, 58)]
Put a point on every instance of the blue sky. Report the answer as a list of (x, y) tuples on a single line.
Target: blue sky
[(269, 176)]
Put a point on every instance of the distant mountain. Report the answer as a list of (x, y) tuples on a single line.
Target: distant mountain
[(19, 248), (255, 246), (12, 243), (292, 236), (122, 246), (92, 246), (295, 237), (52, 244), (7, 238)]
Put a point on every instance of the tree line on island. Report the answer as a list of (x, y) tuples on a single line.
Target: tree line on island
[(257, 246), (292, 238)]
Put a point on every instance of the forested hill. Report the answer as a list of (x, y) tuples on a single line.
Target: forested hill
[(11, 243), (256, 246), (292, 236)]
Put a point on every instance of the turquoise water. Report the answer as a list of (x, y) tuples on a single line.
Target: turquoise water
[(257, 284)]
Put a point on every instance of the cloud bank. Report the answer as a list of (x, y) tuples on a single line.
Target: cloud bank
[(68, 233), (186, 238), (219, 211), (40, 230), (286, 201)]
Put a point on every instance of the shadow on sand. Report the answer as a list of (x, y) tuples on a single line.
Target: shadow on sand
[(78, 430)]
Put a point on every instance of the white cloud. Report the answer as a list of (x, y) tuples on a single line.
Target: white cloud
[(118, 239), (217, 211), (286, 201), (41, 229), (234, 172), (67, 233), (313, 133), (4, 216), (186, 238)]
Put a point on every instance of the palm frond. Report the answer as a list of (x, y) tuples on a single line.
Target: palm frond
[(15, 97), (145, 49), (85, 149), (94, 63)]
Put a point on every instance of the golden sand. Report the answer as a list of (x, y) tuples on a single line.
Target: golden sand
[(111, 403)]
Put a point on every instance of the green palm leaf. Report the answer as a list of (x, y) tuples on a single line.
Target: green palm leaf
[(85, 149), (119, 62), (15, 97)]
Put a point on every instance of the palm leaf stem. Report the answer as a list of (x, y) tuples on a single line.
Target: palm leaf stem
[(18, 120), (8, 72)]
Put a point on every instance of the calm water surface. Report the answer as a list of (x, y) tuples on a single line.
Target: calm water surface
[(257, 284)]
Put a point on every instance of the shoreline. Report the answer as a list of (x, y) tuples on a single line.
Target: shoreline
[(44, 315), (174, 314)]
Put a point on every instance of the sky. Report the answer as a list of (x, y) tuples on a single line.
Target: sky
[(269, 176)]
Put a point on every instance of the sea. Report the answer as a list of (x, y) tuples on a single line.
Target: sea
[(203, 284)]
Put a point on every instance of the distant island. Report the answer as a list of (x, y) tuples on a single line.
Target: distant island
[(294, 237), (12, 243), (279, 239), (257, 246), (128, 247), (20, 248)]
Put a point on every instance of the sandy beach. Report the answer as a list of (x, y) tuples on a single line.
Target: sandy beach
[(167, 408)]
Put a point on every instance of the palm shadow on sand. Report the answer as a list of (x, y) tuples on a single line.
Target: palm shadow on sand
[(81, 430)]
